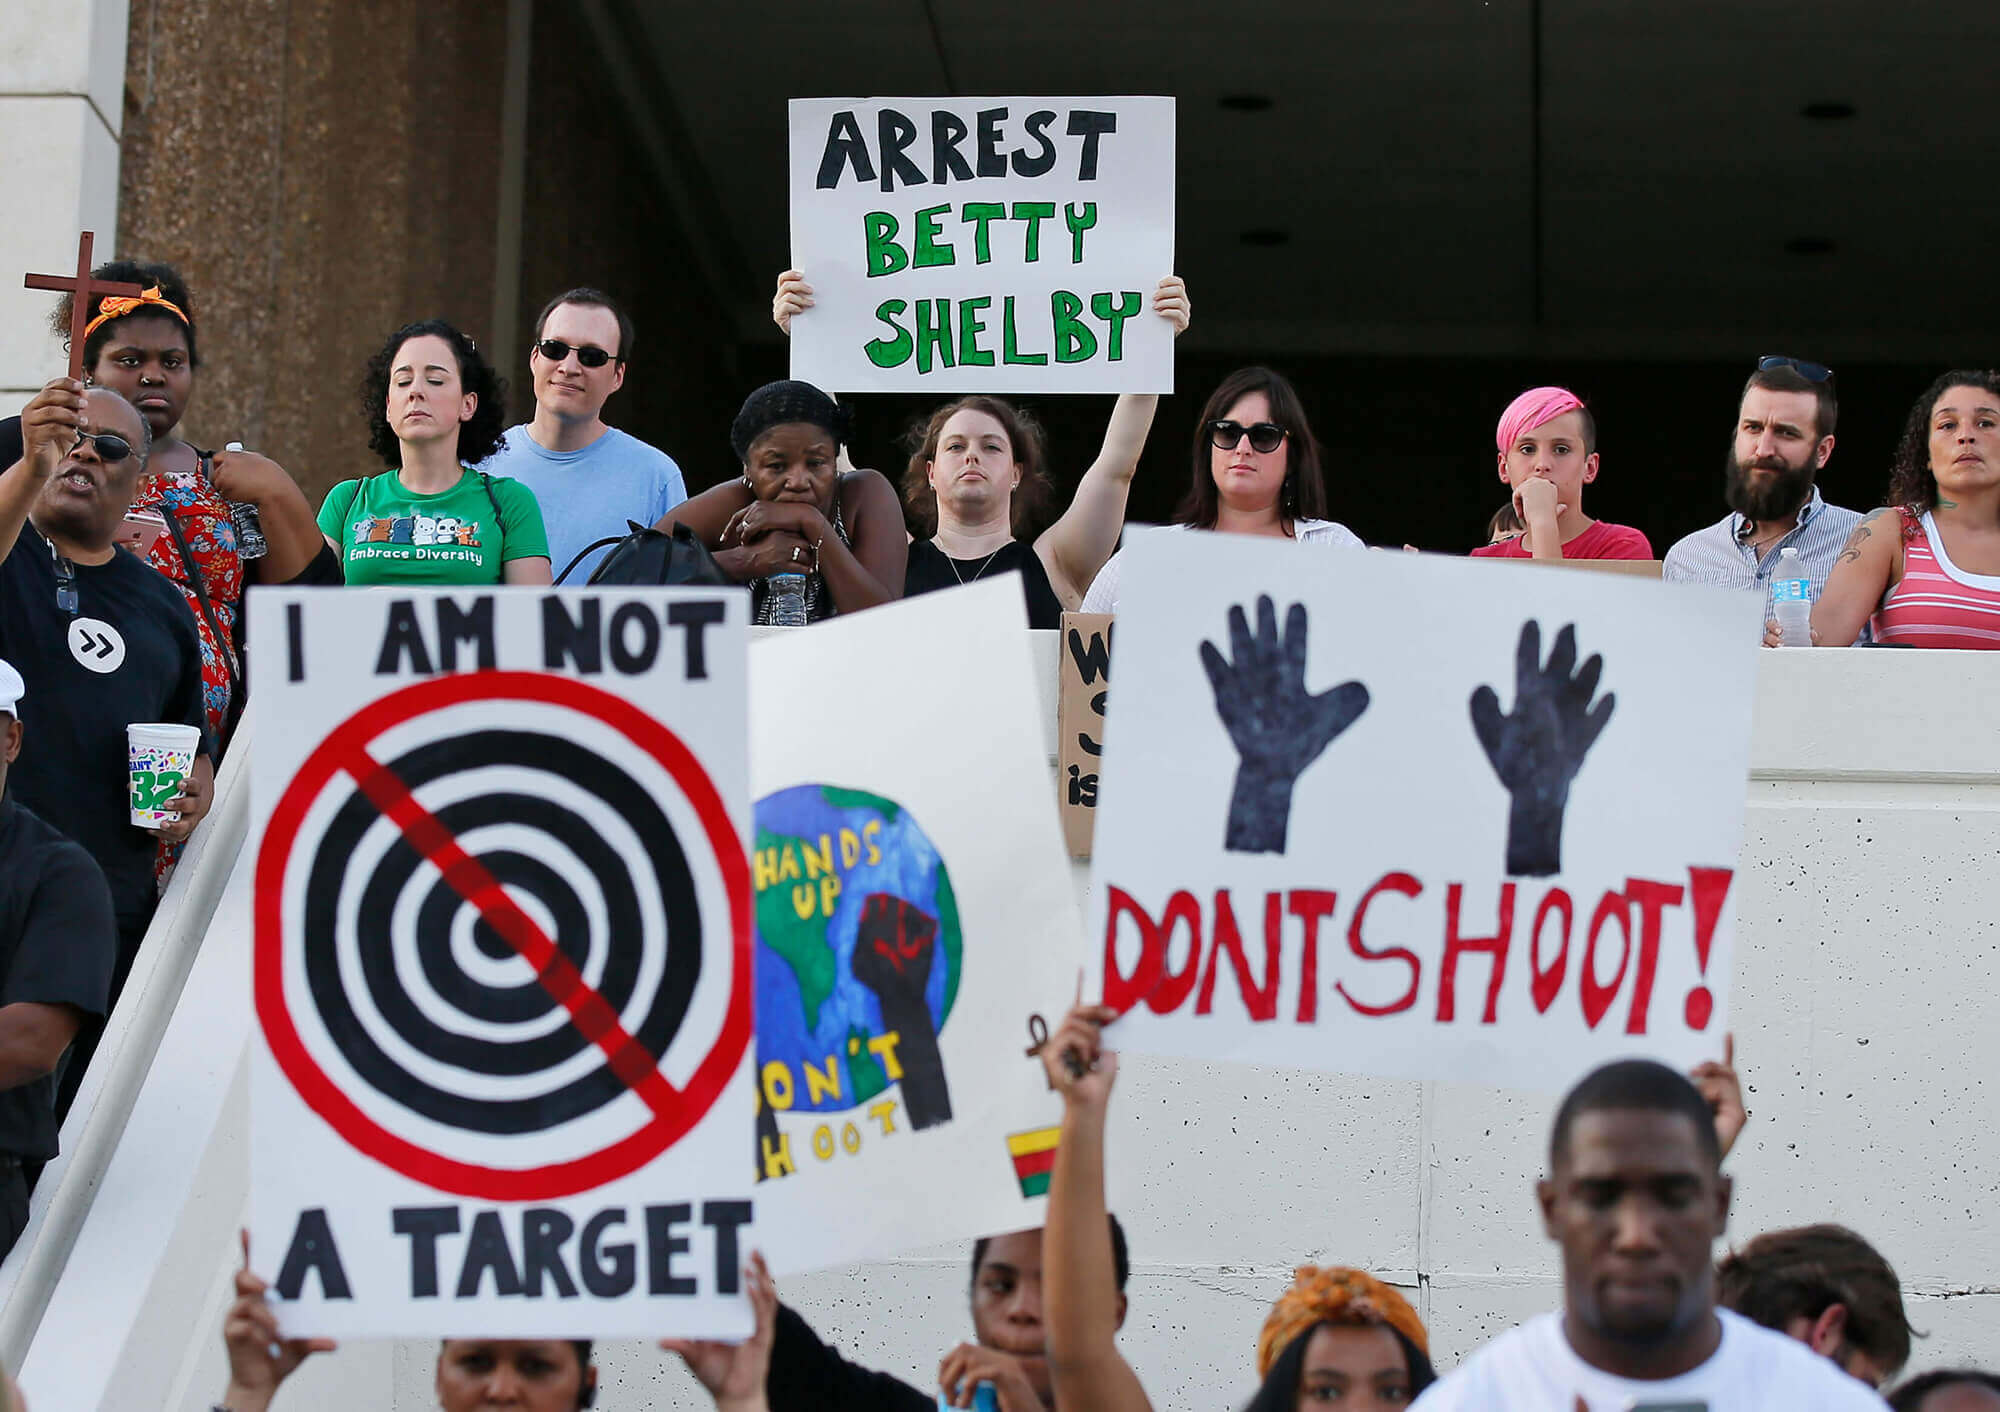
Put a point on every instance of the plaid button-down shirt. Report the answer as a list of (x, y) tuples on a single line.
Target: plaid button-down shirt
[(1721, 555)]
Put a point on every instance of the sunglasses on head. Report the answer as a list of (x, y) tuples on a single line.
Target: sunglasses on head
[(555, 350), (1811, 372), (111, 447), (1226, 435)]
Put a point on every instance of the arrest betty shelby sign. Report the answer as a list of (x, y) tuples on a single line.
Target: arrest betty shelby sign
[(1402, 815), (983, 244), (503, 977)]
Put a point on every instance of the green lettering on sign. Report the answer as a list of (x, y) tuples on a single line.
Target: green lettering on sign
[(979, 213), (1079, 222), (970, 326), (885, 256), (1009, 353), (1115, 309), (933, 333), (1075, 343), (929, 251), (892, 351), (1034, 213)]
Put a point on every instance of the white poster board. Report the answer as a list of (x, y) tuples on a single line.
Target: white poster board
[(1306, 854), (915, 912), (983, 244), (501, 1081)]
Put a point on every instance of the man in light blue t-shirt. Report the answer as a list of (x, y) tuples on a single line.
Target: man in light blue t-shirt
[(590, 478)]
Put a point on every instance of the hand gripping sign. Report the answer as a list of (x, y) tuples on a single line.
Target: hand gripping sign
[(1391, 814), (502, 968)]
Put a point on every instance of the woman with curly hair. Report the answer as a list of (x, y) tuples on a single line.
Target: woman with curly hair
[(435, 408), (1925, 569), (977, 484)]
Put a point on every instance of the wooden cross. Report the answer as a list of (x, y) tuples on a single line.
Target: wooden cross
[(80, 289)]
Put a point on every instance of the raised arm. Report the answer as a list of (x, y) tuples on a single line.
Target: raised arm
[(48, 427), (1075, 547), (1868, 567), (1079, 1277)]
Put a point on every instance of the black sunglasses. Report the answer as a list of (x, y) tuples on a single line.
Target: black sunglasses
[(111, 447), (555, 350), (1811, 372), (66, 599), (1226, 435)]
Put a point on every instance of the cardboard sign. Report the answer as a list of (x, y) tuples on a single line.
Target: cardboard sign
[(1083, 676), (1398, 814), (983, 244), (915, 916), (502, 936)]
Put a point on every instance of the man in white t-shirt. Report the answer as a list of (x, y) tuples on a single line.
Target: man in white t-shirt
[(1636, 1199)]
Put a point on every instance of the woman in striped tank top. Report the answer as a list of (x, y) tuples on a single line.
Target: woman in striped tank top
[(1924, 570)]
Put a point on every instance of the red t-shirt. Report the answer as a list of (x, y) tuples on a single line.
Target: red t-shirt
[(1600, 541)]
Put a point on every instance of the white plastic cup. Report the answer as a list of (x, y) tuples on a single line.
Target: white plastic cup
[(160, 757)]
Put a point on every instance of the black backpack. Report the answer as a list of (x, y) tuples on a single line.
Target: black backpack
[(645, 556)]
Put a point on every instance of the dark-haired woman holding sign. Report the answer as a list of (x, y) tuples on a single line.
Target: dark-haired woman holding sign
[(978, 481)]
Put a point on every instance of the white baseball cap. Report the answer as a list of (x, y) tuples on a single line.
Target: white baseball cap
[(12, 688)]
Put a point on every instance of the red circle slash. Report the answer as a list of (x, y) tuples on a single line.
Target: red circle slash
[(674, 1111)]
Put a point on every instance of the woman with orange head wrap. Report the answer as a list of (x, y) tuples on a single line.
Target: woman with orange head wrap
[(1341, 1337)]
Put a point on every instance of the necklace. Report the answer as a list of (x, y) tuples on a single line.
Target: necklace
[(987, 564)]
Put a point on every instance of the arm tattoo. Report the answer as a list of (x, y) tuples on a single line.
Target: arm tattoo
[(1852, 550)]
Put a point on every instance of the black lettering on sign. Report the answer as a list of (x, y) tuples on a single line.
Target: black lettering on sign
[(627, 656), (845, 146), (1090, 126), (1041, 162), (607, 1271), (578, 641), (423, 1225), (725, 1218), (692, 619), (295, 640), (580, 638), (486, 1249), (403, 638), (543, 1231), (894, 133), (662, 1245), (947, 163), (312, 1249)]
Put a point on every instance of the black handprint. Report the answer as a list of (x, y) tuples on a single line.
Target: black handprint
[(1278, 726), (1537, 750)]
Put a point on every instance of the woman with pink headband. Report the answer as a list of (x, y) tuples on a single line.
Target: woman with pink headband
[(1548, 453)]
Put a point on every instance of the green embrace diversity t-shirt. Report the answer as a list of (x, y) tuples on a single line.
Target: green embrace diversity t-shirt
[(390, 535)]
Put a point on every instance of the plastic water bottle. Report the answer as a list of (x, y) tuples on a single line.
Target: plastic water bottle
[(249, 526), (788, 600), (1791, 600)]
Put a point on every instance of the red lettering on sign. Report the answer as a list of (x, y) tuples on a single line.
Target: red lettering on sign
[(1597, 998), (1454, 944), (1260, 1000), (1309, 905), (1408, 887), (1545, 984)]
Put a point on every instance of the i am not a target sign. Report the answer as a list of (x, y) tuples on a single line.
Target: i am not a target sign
[(501, 929)]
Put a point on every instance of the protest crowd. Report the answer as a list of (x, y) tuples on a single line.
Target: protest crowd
[(127, 560)]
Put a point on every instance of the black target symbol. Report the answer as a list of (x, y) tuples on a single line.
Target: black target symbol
[(494, 931), (383, 896)]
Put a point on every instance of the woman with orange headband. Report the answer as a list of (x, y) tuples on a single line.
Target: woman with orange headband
[(1336, 1337), (143, 348)]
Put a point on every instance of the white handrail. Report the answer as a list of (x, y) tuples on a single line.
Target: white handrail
[(96, 1122)]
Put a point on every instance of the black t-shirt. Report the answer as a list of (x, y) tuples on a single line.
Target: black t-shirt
[(929, 570), (128, 654), (57, 947), (807, 1376)]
